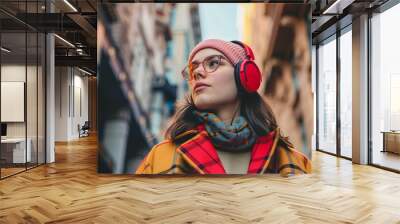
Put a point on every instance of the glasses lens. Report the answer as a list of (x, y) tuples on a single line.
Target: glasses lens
[(191, 68), (212, 63), (185, 73)]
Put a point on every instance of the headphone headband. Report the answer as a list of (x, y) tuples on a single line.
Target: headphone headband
[(247, 49)]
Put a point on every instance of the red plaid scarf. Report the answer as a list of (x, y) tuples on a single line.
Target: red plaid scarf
[(202, 155)]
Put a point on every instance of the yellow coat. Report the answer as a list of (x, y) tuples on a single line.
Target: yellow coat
[(196, 155)]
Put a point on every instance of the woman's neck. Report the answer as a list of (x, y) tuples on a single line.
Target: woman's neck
[(228, 112)]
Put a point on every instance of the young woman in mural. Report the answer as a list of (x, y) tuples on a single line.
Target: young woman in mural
[(223, 126)]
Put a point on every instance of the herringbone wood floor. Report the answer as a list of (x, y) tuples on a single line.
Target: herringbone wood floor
[(70, 191)]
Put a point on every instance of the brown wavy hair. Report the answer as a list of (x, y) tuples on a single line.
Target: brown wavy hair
[(253, 108)]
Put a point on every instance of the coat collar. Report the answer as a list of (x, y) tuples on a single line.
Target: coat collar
[(200, 153)]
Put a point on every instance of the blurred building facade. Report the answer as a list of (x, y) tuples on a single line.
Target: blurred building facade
[(280, 37), (168, 86), (144, 46)]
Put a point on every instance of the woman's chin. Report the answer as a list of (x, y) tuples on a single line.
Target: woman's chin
[(201, 106), (203, 103)]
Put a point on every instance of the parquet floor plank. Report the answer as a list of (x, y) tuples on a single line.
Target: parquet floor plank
[(70, 191)]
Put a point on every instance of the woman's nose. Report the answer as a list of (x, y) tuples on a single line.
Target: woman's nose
[(199, 72)]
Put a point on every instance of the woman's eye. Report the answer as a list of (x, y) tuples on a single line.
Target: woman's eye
[(213, 63)]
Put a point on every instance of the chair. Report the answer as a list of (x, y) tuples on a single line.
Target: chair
[(84, 130)]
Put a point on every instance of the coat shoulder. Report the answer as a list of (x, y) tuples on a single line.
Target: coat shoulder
[(164, 146), (163, 152), (158, 159), (291, 161)]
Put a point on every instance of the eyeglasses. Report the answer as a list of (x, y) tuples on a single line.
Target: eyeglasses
[(210, 64)]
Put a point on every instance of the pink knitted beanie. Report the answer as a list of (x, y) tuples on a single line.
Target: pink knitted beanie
[(232, 51)]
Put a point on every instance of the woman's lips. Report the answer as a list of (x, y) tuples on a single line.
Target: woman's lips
[(200, 88)]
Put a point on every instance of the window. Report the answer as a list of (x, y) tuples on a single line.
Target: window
[(346, 92), (22, 77), (385, 88), (327, 95)]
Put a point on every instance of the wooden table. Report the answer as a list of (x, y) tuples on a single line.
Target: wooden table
[(13, 150), (391, 141)]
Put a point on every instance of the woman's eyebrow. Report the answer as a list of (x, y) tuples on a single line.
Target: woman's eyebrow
[(196, 61)]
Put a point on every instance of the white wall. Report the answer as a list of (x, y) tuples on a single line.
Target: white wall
[(10, 73), (61, 103), (71, 94), (16, 73), (80, 100), (12, 101)]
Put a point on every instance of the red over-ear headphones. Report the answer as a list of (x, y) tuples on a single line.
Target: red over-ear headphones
[(247, 73)]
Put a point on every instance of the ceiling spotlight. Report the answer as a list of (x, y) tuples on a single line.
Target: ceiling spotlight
[(86, 72), (65, 41), (70, 5), (337, 7), (5, 50)]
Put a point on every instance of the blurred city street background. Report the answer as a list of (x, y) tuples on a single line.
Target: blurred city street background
[(142, 48)]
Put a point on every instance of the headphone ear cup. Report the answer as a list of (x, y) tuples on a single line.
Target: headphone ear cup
[(250, 76)]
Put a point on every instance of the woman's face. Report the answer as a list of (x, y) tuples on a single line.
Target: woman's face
[(212, 91)]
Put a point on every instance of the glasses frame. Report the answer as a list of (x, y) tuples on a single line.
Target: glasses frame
[(186, 73)]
